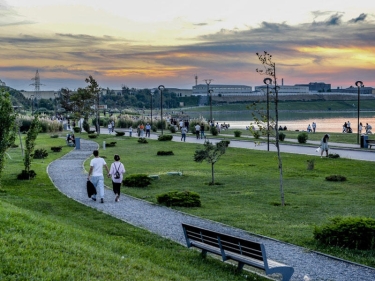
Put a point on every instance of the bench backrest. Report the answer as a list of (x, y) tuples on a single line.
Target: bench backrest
[(225, 242)]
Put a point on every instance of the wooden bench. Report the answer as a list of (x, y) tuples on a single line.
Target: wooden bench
[(234, 248), (370, 143)]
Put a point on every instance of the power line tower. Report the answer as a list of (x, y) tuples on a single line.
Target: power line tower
[(196, 79), (36, 84)]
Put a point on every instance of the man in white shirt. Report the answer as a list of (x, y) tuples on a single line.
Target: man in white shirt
[(96, 174), (197, 130)]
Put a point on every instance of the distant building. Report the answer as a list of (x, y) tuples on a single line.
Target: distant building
[(285, 89), (317, 86), (180, 92), (222, 90), (354, 90)]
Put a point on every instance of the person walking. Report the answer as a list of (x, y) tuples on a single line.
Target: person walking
[(109, 128), (96, 174), (314, 127), (197, 130), (183, 133), (148, 130), (324, 145), (202, 131), (113, 125), (360, 128), (142, 130), (116, 173), (309, 128)]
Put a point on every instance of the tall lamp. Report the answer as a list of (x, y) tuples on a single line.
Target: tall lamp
[(208, 82), (32, 104), (268, 81), (151, 93), (161, 88), (359, 85), (56, 94)]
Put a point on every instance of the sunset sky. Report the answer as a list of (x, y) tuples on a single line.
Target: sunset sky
[(145, 43)]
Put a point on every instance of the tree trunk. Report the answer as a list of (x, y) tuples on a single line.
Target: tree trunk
[(213, 174)]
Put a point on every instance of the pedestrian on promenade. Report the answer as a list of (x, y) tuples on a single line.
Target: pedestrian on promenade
[(141, 130), (130, 131), (96, 175), (183, 133), (202, 131), (309, 128), (109, 128), (148, 130), (197, 130), (314, 127), (360, 128), (324, 145), (116, 173), (113, 125)]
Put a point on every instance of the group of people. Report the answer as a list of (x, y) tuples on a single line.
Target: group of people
[(141, 130), (311, 128), (346, 128), (70, 139), (111, 126), (96, 176)]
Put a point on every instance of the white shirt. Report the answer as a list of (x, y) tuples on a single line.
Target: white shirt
[(97, 164), (197, 127)]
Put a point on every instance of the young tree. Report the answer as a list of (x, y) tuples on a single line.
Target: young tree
[(82, 102), (93, 89), (270, 71), (211, 153), (7, 121), (31, 136)]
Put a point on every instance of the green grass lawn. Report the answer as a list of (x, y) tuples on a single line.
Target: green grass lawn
[(46, 236), (248, 195)]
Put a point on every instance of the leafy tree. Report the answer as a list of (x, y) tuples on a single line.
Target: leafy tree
[(64, 99), (270, 71), (82, 101), (93, 89), (211, 153), (31, 136), (7, 121)]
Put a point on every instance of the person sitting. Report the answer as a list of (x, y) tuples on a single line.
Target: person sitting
[(280, 128), (285, 128), (69, 141), (368, 129)]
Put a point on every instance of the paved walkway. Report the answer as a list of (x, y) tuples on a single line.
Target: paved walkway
[(153, 217)]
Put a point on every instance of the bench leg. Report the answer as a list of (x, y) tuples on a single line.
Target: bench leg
[(240, 266), (204, 253)]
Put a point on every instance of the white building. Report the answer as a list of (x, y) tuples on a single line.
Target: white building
[(285, 89), (222, 90)]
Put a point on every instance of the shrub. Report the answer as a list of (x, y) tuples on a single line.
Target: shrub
[(348, 232), (14, 145), (310, 164), (302, 137), (256, 134), (86, 126), (180, 199), (335, 155), (281, 136), (26, 175), (154, 128), (119, 134), (77, 129), (214, 131), (165, 138), (142, 140), (335, 178), (54, 136), (92, 136), (162, 153), (226, 142), (237, 134), (40, 153), (111, 144), (56, 148), (137, 180), (172, 129)]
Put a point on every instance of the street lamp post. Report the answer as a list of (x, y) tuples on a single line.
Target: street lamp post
[(208, 82), (268, 81), (161, 88), (151, 106), (55, 104), (210, 95), (359, 84), (32, 104)]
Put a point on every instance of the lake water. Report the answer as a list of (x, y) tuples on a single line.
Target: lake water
[(326, 121)]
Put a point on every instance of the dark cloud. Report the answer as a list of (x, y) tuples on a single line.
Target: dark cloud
[(361, 17)]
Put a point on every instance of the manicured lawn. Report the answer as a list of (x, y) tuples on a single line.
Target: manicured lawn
[(248, 195), (47, 236)]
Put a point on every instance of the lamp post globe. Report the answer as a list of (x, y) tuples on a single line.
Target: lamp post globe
[(359, 85), (161, 89)]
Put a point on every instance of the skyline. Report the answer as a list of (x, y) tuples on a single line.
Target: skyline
[(145, 44)]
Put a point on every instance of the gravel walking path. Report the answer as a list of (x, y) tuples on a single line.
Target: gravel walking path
[(167, 223)]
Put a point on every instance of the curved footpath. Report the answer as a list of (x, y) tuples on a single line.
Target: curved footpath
[(167, 223)]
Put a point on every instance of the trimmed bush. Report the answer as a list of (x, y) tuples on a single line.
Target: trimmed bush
[(172, 129), (165, 138), (56, 148), (180, 199), (77, 129), (40, 153), (154, 128), (335, 178), (54, 136), (281, 136), (348, 232), (137, 180), (214, 131), (237, 134), (119, 134), (92, 136), (142, 140), (162, 153), (111, 144), (226, 142), (26, 175), (335, 155), (303, 137)]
